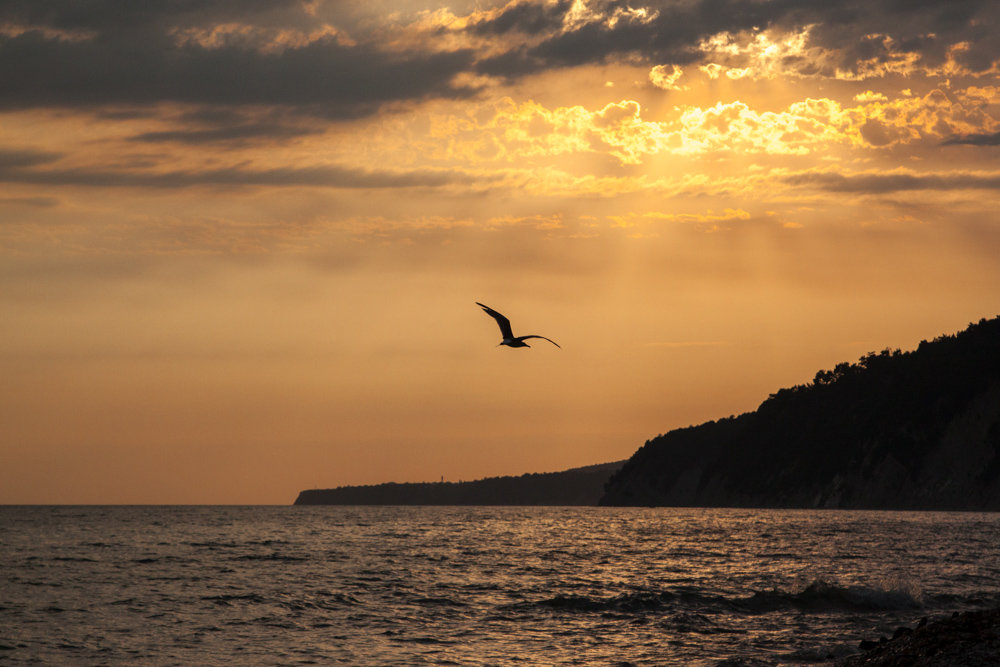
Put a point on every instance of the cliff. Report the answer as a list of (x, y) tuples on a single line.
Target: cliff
[(578, 486), (897, 430)]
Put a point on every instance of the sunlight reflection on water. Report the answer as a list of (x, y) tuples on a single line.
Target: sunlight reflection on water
[(477, 585)]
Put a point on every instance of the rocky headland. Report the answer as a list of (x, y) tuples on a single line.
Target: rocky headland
[(896, 430)]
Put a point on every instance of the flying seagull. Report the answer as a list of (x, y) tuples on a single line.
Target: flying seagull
[(508, 336)]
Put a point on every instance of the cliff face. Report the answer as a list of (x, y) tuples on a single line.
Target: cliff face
[(579, 486), (913, 430)]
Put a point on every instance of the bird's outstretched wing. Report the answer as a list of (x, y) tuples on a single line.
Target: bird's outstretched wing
[(543, 338), (501, 320)]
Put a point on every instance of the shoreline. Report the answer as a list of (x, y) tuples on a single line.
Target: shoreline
[(965, 639)]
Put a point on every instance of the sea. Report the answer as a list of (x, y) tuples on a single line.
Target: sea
[(327, 585)]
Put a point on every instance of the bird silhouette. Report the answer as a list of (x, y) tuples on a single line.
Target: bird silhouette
[(509, 339)]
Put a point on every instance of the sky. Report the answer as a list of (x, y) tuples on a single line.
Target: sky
[(241, 242)]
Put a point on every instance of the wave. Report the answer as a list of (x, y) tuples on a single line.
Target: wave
[(271, 556), (819, 596), (146, 560), (440, 602), (627, 602), (324, 600), (227, 600)]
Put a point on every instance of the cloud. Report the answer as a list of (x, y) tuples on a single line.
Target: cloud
[(20, 167), (510, 131), (12, 159), (898, 181), (989, 139), (763, 54), (621, 131), (147, 56), (327, 62), (531, 18), (727, 215), (709, 221), (33, 202), (102, 15), (854, 39), (227, 134), (659, 77)]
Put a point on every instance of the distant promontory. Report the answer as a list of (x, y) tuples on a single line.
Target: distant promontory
[(578, 486), (896, 430)]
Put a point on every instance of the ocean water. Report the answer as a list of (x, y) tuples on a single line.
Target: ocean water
[(476, 585)]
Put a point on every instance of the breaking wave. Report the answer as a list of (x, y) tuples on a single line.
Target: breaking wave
[(818, 596), (821, 595)]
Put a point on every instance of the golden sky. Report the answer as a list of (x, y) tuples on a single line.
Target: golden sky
[(241, 242)]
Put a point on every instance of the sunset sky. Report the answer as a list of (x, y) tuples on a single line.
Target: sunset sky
[(241, 242)]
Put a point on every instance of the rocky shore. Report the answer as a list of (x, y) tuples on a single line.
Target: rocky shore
[(969, 639)]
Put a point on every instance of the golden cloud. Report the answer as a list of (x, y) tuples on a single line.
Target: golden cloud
[(762, 54), (980, 96), (513, 131), (709, 221), (660, 78)]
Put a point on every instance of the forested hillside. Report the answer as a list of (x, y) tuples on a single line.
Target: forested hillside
[(917, 429)]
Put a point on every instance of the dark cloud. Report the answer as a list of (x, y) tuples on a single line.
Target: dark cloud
[(669, 32), (885, 183), (868, 31), (527, 17), (17, 159), (594, 42), (25, 171), (217, 116), (129, 54), (110, 16), (126, 114), (232, 134), (884, 31), (107, 53), (32, 202), (232, 126), (974, 140), (511, 65), (324, 78)]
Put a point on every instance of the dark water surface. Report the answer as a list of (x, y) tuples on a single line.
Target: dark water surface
[(476, 585)]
